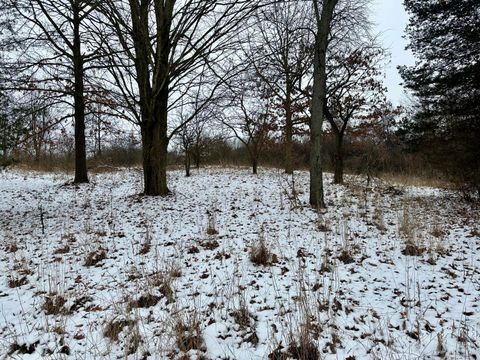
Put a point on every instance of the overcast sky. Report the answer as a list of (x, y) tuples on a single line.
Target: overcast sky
[(391, 20)]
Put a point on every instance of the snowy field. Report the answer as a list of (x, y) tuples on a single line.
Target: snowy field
[(235, 266)]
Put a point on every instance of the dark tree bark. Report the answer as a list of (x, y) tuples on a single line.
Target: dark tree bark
[(153, 94), (319, 95), (187, 164), (165, 55), (81, 175), (338, 160), (288, 135), (50, 35), (254, 154)]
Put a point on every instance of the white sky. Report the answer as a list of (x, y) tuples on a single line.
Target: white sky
[(391, 20)]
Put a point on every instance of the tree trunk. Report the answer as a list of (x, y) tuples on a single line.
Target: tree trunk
[(319, 95), (254, 166), (196, 156), (99, 138), (153, 92), (187, 163), (155, 148), (338, 159), (81, 175), (254, 160), (288, 135)]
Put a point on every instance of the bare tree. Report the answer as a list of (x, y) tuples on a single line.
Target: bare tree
[(323, 20), (164, 45), (282, 55), (249, 114), (355, 91), (55, 47)]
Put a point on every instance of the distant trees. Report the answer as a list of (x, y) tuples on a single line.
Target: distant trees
[(282, 55), (53, 57), (192, 140), (445, 39), (250, 115), (11, 128), (355, 91)]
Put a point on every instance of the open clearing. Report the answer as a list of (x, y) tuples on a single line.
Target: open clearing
[(388, 272)]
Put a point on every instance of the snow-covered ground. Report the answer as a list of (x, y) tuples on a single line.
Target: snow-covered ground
[(387, 272)]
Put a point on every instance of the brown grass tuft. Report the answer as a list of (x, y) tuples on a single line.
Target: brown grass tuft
[(17, 282), (55, 305), (144, 301), (93, 258), (188, 336), (115, 327)]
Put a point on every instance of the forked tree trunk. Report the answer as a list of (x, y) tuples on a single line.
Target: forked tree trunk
[(319, 95), (81, 175), (338, 159)]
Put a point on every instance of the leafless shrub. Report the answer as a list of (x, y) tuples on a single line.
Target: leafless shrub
[(163, 282), (407, 224), (322, 223), (23, 348), (303, 349), (210, 244), (62, 250), (11, 247), (147, 243), (346, 256), (145, 248), (327, 265), (242, 317), (378, 215), (437, 231), (413, 249), (407, 228), (440, 345)]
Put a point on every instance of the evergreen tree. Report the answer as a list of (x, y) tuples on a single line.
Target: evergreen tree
[(445, 39)]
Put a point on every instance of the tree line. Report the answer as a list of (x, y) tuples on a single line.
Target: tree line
[(174, 69)]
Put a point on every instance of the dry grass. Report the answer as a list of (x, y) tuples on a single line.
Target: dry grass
[(144, 301), (188, 335), (211, 223), (17, 282), (260, 253), (412, 180), (115, 326), (55, 305), (95, 257)]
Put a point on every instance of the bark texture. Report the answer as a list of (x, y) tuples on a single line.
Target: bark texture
[(319, 94)]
